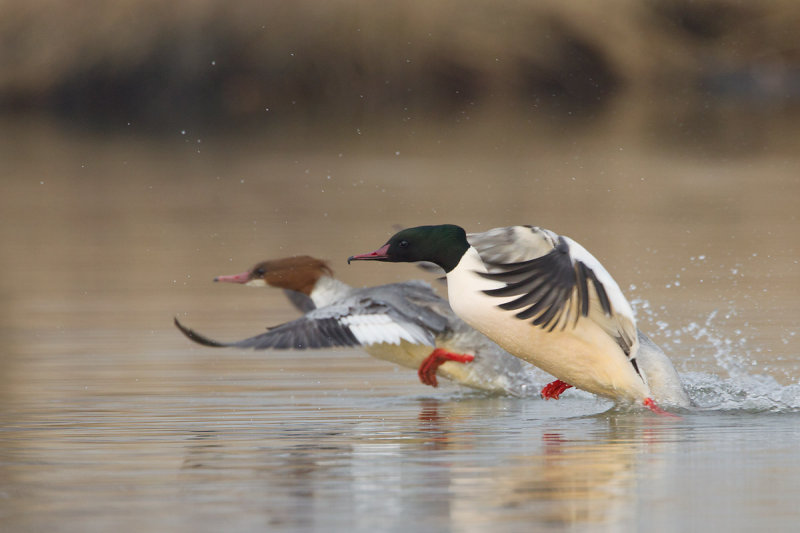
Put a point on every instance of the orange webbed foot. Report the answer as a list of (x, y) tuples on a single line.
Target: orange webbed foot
[(553, 390), (650, 404), (427, 370)]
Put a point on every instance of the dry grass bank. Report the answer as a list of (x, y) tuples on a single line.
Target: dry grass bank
[(355, 60)]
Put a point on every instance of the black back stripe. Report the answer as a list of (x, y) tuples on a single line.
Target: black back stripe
[(633, 362), (626, 346), (601, 292), (583, 293)]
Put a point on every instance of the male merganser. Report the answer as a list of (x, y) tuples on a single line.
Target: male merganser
[(405, 323), (546, 299)]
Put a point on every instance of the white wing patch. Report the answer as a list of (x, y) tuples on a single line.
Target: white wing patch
[(381, 328)]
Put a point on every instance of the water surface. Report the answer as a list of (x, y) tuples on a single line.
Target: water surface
[(110, 419)]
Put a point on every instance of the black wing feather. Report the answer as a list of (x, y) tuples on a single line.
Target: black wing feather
[(515, 269), (538, 290), (198, 338), (541, 304), (551, 288), (552, 313)]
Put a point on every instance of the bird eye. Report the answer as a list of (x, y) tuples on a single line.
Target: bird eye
[(259, 272), (403, 244)]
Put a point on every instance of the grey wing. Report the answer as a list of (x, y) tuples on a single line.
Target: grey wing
[(414, 302), (512, 244), (300, 334), (365, 317)]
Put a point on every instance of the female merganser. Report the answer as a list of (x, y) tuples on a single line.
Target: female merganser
[(405, 323), (546, 299)]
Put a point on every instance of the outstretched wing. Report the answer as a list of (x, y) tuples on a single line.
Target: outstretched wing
[(299, 334), (359, 320), (558, 288)]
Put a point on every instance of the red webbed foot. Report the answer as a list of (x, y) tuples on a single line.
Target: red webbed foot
[(553, 390), (427, 370), (650, 404)]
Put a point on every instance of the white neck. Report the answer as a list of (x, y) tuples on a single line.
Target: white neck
[(328, 290), (464, 285)]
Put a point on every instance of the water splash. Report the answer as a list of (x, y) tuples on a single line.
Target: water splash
[(733, 387), (730, 354), (751, 393)]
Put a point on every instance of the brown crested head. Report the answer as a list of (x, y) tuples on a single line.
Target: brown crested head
[(299, 273)]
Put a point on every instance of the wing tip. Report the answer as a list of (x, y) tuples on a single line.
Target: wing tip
[(196, 337)]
